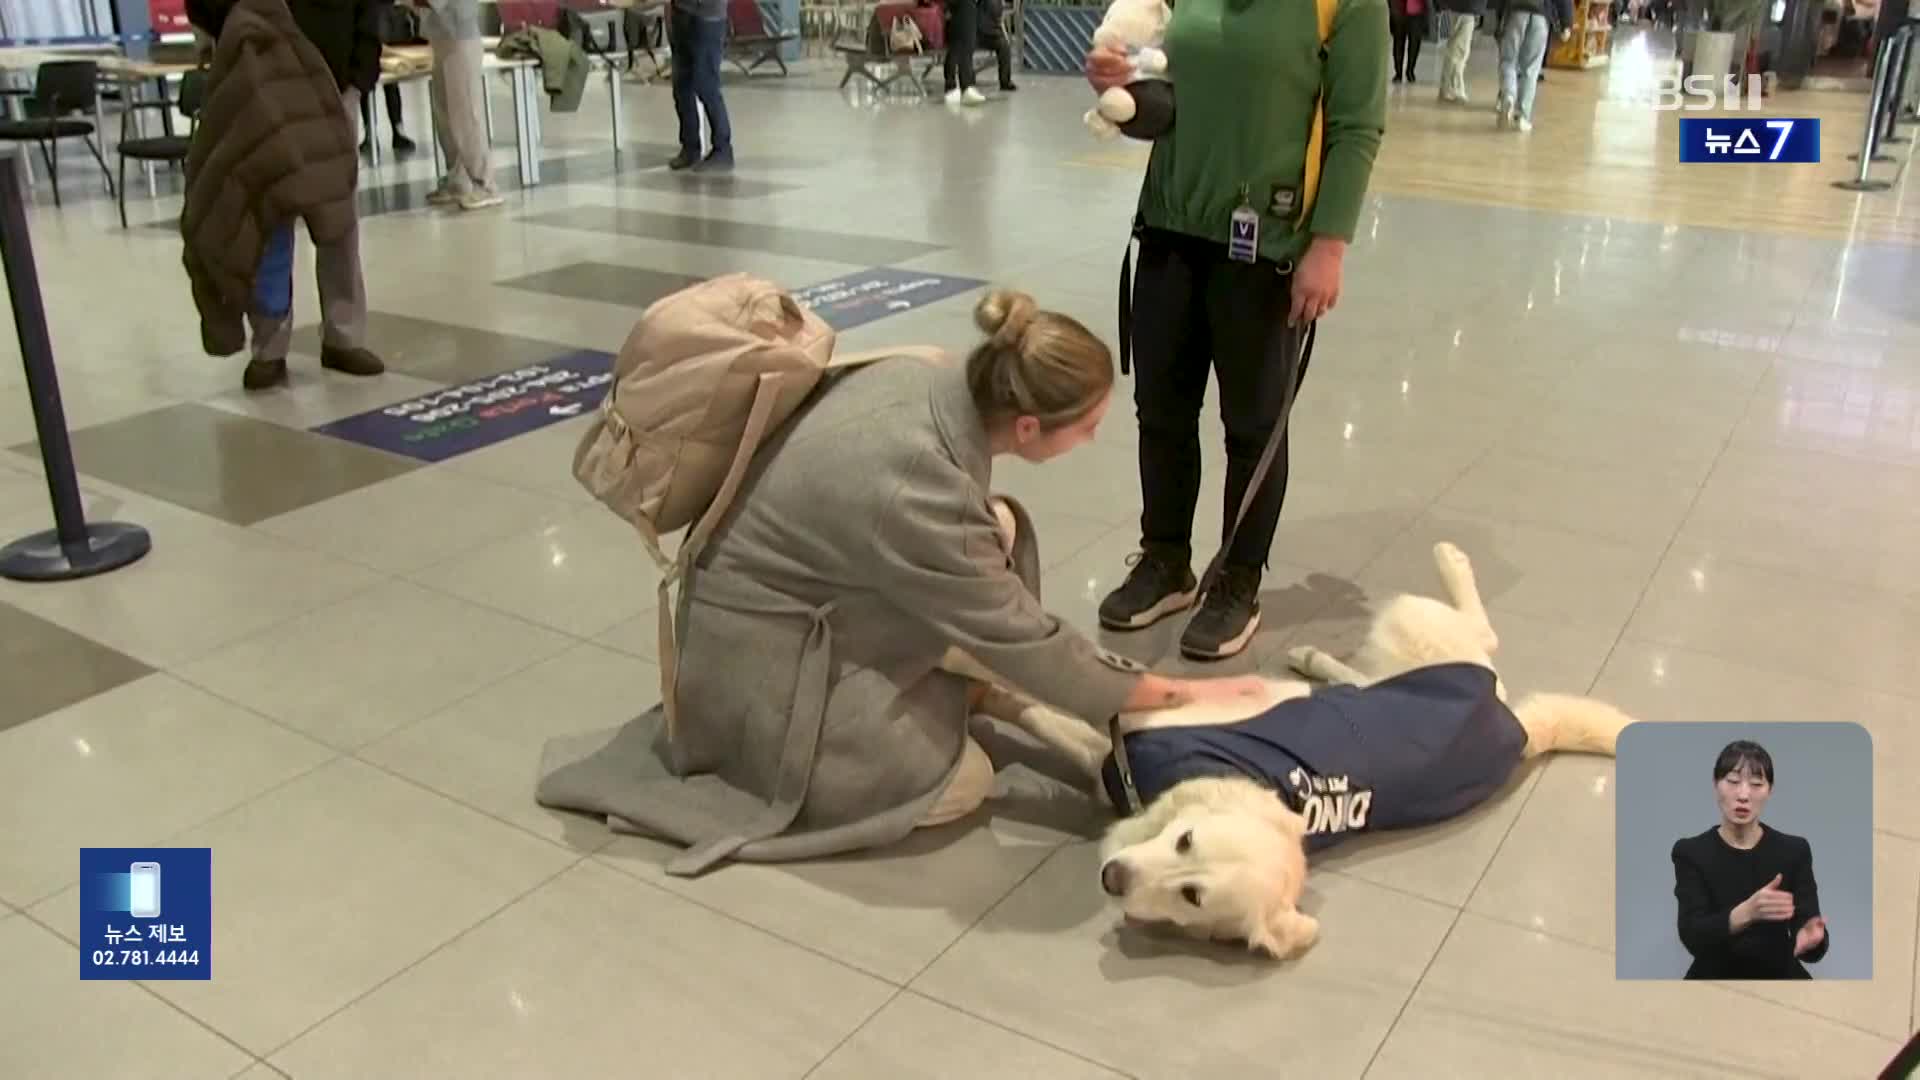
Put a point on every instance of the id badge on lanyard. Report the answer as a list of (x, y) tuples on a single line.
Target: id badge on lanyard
[(1243, 236)]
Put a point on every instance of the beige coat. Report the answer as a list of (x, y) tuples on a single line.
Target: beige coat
[(814, 715)]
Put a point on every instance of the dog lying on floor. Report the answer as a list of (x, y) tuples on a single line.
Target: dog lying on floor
[(1226, 801)]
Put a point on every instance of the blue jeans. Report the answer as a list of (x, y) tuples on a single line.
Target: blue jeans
[(1523, 46), (697, 46), (273, 279)]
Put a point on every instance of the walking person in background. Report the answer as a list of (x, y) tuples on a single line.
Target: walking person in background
[(1408, 21), (697, 34), (452, 27), (1525, 27), (987, 32), (268, 135), (963, 39), (1464, 21), (395, 25)]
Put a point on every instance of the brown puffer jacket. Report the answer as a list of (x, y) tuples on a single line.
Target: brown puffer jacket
[(274, 144)]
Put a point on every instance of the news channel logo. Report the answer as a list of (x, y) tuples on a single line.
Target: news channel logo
[(146, 913), (1772, 140), (1734, 139), (1708, 93)]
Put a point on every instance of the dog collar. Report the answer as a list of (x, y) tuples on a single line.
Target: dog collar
[(1122, 767)]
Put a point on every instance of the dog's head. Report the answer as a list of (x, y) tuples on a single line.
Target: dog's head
[(1229, 870)]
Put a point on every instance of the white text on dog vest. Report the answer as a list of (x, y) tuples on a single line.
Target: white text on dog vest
[(1330, 804)]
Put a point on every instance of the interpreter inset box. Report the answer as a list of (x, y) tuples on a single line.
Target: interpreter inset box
[(1744, 851)]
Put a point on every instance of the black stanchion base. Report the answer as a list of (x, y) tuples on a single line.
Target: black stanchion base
[(110, 545), (1876, 157), (1894, 140), (1863, 185)]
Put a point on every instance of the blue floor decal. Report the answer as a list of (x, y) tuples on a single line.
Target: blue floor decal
[(474, 415), (857, 299)]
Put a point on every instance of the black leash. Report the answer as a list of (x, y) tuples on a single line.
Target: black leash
[(1304, 353)]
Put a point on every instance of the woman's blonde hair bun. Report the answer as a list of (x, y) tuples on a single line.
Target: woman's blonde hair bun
[(1035, 363), (1004, 315)]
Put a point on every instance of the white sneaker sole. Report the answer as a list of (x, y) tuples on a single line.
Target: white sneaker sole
[(1228, 649), (1171, 604)]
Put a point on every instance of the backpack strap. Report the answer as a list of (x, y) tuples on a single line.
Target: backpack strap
[(1324, 12), (765, 393)]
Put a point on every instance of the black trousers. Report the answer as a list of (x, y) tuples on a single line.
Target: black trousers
[(1408, 32), (1197, 312), (986, 32), (393, 111), (963, 38)]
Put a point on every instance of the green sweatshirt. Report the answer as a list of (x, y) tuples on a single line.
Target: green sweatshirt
[(1246, 74)]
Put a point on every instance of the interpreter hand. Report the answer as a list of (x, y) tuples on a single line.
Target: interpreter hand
[(1108, 68), (1770, 903), (1316, 280), (1810, 935)]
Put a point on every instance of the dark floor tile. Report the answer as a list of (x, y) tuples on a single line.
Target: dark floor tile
[(608, 283), (49, 667), (723, 185), (225, 465), (741, 235), (439, 352)]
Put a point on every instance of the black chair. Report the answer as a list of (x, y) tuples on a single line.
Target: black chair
[(61, 89), (171, 149)]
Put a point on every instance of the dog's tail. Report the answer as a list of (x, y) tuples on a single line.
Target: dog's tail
[(1575, 724)]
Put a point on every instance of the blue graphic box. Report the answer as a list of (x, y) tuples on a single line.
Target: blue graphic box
[(146, 913)]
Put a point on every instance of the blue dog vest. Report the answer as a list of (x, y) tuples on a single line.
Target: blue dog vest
[(1416, 749)]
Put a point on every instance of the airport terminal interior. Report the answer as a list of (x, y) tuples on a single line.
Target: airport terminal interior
[(1672, 412)]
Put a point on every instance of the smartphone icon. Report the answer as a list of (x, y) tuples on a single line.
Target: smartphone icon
[(143, 890)]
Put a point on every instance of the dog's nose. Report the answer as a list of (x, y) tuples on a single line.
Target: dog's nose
[(1113, 877)]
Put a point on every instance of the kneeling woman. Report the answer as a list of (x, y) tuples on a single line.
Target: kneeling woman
[(860, 565)]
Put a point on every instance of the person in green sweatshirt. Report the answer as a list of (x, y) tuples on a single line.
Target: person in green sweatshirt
[(1241, 251)]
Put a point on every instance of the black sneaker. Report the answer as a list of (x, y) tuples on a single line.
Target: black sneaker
[(264, 374), (1160, 584), (683, 161), (360, 362), (1228, 616)]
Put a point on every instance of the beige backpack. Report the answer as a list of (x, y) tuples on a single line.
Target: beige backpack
[(706, 373)]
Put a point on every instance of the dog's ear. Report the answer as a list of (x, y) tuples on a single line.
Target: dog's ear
[(1285, 931)]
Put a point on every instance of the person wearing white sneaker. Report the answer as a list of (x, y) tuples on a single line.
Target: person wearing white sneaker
[(1464, 20), (452, 27), (963, 40), (1525, 26)]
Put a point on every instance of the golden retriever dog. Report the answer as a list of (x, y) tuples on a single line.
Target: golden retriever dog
[(1224, 802)]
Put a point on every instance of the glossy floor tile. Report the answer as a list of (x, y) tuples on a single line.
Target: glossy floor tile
[(1668, 412), (437, 351), (629, 286), (708, 185), (50, 668), (693, 991), (129, 767), (43, 999), (227, 466), (859, 250)]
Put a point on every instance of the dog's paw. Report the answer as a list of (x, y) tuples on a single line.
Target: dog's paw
[(1303, 659), (1450, 556)]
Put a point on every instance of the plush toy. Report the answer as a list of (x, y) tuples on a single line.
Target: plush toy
[(1143, 108)]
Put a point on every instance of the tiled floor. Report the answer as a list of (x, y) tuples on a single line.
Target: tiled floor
[(1685, 457)]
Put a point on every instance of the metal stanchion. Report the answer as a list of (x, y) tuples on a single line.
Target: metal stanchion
[(1902, 58), (73, 548), (1869, 144)]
